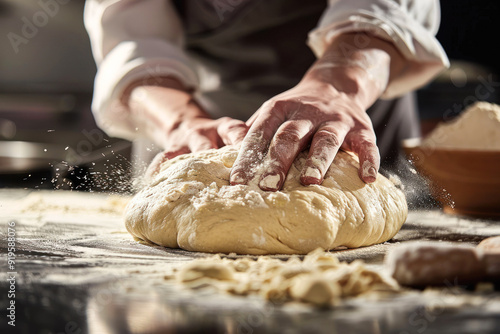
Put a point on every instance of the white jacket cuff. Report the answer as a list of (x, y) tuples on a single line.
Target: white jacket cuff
[(129, 62), (411, 30)]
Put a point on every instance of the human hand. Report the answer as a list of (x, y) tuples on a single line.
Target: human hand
[(196, 135), (326, 110), (174, 121), (170, 117), (312, 113)]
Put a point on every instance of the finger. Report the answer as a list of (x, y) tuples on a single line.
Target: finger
[(324, 147), (363, 143), (290, 139), (254, 146), (231, 131)]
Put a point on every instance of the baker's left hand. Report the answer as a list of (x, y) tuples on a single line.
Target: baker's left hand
[(326, 110)]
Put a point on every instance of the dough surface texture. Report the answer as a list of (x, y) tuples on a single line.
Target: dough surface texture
[(189, 204)]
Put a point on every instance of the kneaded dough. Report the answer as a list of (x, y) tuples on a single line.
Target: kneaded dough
[(189, 204)]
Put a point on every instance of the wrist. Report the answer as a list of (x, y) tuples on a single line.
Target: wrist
[(149, 83), (350, 80), (158, 111), (360, 64)]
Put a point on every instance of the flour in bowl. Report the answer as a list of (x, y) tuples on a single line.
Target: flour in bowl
[(476, 128)]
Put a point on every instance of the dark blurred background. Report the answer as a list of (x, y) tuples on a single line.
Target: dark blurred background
[(48, 137), (469, 34), (46, 82)]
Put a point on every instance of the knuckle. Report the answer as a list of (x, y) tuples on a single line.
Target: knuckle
[(269, 105), (363, 123), (289, 134), (236, 125), (364, 137), (279, 104), (282, 104), (343, 118), (328, 137), (367, 142), (312, 108)]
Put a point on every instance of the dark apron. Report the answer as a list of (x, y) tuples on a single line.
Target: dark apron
[(258, 50)]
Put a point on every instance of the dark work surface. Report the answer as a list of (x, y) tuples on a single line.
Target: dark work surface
[(79, 271)]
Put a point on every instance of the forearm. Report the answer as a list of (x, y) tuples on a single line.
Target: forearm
[(326, 111), (359, 65)]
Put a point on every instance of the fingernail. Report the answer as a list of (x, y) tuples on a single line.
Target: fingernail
[(372, 172), (270, 182), (368, 170), (312, 173), (236, 178)]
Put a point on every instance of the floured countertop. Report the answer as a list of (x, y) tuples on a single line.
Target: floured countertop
[(78, 268)]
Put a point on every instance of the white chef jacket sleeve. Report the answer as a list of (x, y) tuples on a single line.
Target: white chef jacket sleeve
[(410, 25), (132, 40)]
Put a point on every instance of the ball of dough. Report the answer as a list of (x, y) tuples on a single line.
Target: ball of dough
[(189, 204)]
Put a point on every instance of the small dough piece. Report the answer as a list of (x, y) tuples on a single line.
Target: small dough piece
[(421, 263), (319, 279), (189, 204), (195, 271), (315, 290)]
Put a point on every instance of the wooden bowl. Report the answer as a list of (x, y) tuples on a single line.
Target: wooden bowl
[(465, 182)]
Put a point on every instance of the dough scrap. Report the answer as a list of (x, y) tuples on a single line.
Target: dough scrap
[(319, 279), (189, 204), (422, 263)]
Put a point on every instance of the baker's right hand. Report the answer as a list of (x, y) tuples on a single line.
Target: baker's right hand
[(174, 121)]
